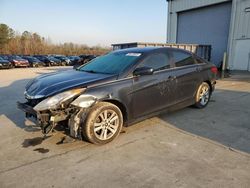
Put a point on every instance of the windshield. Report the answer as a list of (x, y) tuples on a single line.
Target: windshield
[(52, 58), (32, 58), (17, 57), (113, 63)]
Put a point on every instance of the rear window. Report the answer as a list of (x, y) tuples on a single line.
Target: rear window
[(183, 58), (199, 61)]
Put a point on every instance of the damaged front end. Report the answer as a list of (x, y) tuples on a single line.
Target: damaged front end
[(70, 106)]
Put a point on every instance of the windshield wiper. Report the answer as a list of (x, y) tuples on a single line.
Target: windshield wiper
[(90, 71)]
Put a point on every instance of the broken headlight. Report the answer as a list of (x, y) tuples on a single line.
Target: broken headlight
[(56, 100), (84, 101)]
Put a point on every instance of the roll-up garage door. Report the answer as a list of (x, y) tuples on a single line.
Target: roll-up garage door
[(206, 25)]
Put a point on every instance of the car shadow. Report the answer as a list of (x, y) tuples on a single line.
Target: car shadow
[(226, 119), (9, 95)]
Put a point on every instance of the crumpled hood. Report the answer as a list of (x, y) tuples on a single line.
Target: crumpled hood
[(53, 83)]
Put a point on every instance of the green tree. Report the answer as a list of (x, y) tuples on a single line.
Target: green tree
[(26, 42), (6, 34)]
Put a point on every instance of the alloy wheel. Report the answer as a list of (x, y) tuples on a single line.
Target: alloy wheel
[(204, 95), (106, 124)]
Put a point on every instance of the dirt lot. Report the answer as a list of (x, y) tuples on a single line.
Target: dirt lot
[(187, 148)]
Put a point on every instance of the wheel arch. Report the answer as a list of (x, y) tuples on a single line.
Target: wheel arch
[(210, 85), (120, 105)]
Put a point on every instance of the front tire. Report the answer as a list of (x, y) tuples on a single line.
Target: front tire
[(203, 95), (103, 124)]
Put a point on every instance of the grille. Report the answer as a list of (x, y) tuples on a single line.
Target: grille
[(44, 117)]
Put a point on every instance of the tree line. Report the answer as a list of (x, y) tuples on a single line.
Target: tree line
[(28, 43)]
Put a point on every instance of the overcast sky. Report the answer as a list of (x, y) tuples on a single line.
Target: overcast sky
[(92, 22)]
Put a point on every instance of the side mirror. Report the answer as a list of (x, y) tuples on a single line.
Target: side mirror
[(143, 71), (76, 67)]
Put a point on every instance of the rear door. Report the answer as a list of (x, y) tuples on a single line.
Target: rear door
[(151, 93), (188, 75)]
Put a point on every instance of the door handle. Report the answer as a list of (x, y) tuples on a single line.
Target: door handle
[(171, 78), (198, 69)]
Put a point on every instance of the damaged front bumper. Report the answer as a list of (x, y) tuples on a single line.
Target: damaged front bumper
[(29, 111), (47, 120), (43, 120), (73, 114)]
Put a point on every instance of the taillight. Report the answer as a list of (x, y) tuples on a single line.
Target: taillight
[(214, 70)]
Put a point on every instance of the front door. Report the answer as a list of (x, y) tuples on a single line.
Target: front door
[(151, 93)]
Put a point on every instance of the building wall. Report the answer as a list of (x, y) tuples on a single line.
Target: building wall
[(175, 6), (239, 32), (239, 39)]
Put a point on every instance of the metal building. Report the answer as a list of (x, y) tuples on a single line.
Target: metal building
[(203, 51), (223, 24)]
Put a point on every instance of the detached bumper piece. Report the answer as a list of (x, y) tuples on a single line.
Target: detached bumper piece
[(42, 119), (29, 111)]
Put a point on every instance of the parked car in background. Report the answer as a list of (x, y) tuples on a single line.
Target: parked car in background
[(5, 64), (86, 58), (34, 62), (17, 61), (118, 89), (74, 60), (52, 61), (41, 57), (83, 60), (48, 60), (64, 60)]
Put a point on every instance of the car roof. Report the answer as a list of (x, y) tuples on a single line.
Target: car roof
[(147, 50), (137, 50)]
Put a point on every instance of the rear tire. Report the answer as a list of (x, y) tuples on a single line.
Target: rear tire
[(103, 123), (203, 95)]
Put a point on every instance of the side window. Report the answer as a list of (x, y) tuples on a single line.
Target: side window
[(157, 61), (183, 59), (199, 61)]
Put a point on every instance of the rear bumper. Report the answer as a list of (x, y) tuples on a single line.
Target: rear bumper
[(22, 65)]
